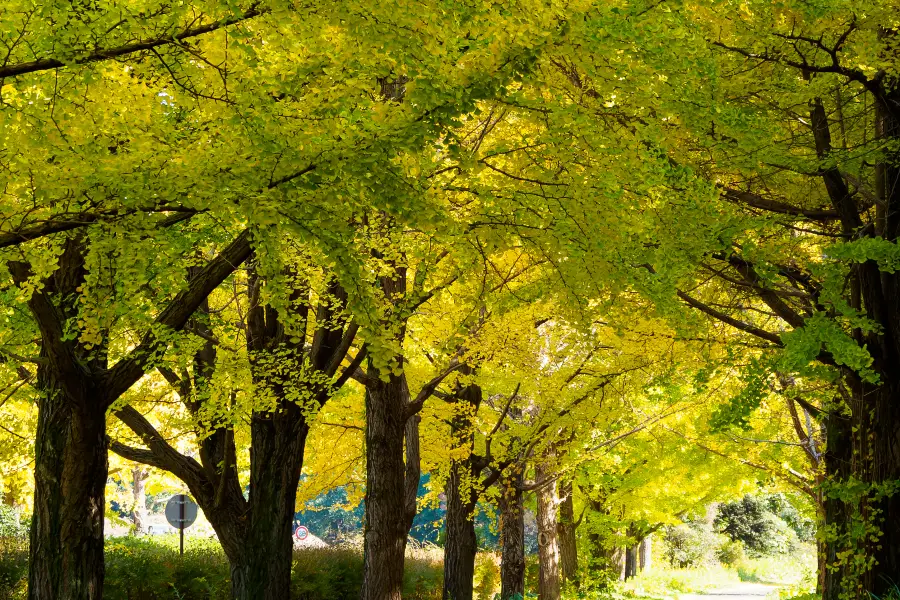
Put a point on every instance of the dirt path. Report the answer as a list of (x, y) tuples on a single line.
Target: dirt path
[(738, 591)]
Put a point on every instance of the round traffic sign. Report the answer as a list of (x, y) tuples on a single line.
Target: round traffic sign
[(301, 533), (181, 511)]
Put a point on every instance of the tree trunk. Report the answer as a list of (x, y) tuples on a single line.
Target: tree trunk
[(139, 494), (631, 561), (386, 526), (263, 570), (886, 444), (568, 548), (837, 463), (618, 560), (548, 541), (512, 530), (71, 468), (646, 553), (461, 544)]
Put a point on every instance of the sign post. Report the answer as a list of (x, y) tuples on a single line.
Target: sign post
[(181, 512)]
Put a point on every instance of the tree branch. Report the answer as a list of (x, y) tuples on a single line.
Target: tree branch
[(428, 389), (737, 324), (46, 64), (128, 370)]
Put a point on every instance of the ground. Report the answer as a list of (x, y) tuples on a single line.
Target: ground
[(737, 591)]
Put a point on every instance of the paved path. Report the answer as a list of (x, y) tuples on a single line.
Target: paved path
[(738, 591)]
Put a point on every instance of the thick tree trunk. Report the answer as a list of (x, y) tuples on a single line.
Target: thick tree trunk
[(263, 570), (71, 468), (386, 526), (568, 548), (867, 448), (548, 541), (882, 445), (461, 544), (139, 495), (632, 557), (512, 531)]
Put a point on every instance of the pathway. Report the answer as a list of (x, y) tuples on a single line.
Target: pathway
[(738, 591)]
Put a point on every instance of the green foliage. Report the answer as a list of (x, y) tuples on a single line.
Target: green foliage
[(147, 568), (664, 581), (884, 252), (151, 569), (730, 553), (13, 524), (13, 568), (752, 522), (693, 544), (736, 410), (797, 570), (487, 576)]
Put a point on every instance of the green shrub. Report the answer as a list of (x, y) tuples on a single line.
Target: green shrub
[(13, 568), (692, 544), (150, 568), (326, 574), (144, 568), (12, 523), (661, 582), (798, 570), (730, 553), (756, 522), (487, 576)]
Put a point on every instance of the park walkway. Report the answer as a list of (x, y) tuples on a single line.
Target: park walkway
[(738, 591)]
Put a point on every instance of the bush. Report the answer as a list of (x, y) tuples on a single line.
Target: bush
[(797, 570), (12, 523), (752, 521), (13, 568), (692, 545), (487, 575), (730, 553), (144, 568)]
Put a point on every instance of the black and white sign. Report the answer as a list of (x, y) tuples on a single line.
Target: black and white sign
[(181, 511)]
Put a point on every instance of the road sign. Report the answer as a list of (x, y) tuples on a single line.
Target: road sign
[(181, 512), (301, 533)]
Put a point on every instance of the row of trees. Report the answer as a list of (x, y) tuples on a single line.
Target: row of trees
[(523, 235)]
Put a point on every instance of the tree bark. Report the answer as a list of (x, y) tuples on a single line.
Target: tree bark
[(66, 538), (263, 568), (461, 544), (838, 451), (139, 494), (548, 542), (568, 548), (631, 561), (387, 524), (646, 553), (512, 530)]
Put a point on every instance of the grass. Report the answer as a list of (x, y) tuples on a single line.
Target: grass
[(794, 573), (778, 570), (662, 582)]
